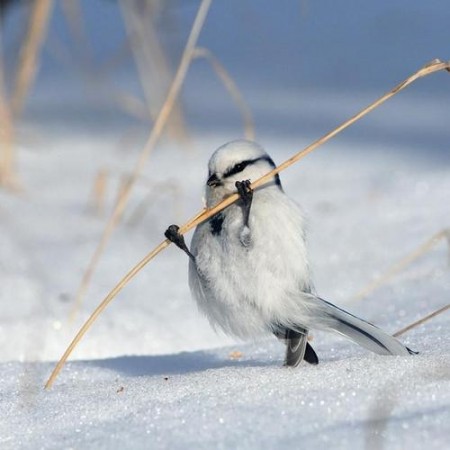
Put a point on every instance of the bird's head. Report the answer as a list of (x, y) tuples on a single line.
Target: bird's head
[(236, 161)]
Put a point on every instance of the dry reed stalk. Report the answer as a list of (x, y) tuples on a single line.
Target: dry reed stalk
[(432, 67), (231, 87), (132, 105), (94, 75), (154, 189), (6, 136), (28, 60), (74, 15), (8, 176), (422, 320), (98, 194), (402, 264), (151, 62), (154, 137), (121, 192)]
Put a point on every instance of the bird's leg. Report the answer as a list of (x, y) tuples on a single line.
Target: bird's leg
[(246, 194), (173, 234), (297, 346)]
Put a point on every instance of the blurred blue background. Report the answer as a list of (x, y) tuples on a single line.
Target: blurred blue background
[(302, 66)]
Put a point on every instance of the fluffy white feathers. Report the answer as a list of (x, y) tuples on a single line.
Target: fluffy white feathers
[(252, 277), (246, 289)]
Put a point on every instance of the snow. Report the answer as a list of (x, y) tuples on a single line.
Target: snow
[(201, 399), (151, 373)]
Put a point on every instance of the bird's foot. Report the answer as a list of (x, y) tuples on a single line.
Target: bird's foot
[(245, 191), (246, 194), (173, 235)]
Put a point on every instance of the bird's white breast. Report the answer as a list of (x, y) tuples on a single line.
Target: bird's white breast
[(244, 290)]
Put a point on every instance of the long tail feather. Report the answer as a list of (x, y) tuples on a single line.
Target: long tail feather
[(360, 331)]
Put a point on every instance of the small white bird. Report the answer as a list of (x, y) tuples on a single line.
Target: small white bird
[(248, 267)]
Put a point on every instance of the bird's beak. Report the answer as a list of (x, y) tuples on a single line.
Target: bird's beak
[(213, 181)]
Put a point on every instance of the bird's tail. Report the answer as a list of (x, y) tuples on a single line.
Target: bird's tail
[(360, 331)]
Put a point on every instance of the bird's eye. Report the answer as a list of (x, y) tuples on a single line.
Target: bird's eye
[(239, 167)]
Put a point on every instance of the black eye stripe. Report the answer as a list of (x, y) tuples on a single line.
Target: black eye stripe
[(239, 167)]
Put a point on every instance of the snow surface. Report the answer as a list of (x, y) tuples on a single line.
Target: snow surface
[(151, 373)]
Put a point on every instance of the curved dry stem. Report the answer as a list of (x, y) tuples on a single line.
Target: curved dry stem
[(108, 231), (151, 62), (101, 307), (154, 190), (154, 137), (95, 75), (37, 28), (8, 176), (422, 320), (432, 67), (231, 87), (96, 201), (402, 264)]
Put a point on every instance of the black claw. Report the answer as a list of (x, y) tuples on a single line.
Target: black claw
[(246, 194), (173, 234), (244, 191), (310, 355)]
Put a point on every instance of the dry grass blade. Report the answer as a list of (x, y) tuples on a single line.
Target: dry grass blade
[(402, 264), (131, 105), (154, 190), (8, 176), (422, 320), (95, 75), (100, 308), (98, 194), (435, 66), (151, 62), (154, 137), (73, 13), (29, 53), (432, 67), (231, 87)]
